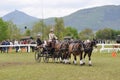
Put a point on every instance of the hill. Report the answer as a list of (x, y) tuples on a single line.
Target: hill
[(95, 18), (21, 19)]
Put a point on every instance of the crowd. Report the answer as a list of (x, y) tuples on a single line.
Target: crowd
[(16, 42), (17, 48)]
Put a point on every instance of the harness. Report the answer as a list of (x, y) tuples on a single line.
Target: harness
[(87, 46), (74, 47)]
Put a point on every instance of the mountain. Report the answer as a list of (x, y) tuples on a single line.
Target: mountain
[(95, 18), (21, 19)]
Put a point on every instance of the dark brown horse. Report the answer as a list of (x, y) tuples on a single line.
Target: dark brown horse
[(76, 48), (53, 48), (88, 48), (64, 51), (57, 49)]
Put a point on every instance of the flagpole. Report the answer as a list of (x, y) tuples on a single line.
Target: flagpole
[(42, 19)]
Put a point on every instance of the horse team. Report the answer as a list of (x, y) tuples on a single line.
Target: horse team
[(64, 49)]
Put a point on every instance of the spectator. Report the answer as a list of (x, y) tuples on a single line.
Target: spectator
[(16, 45), (33, 47), (3, 48), (7, 43)]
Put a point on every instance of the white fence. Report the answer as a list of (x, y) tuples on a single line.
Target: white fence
[(109, 47), (20, 45), (104, 47)]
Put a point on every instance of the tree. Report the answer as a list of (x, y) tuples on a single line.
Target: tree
[(13, 31), (106, 33), (117, 32), (39, 28), (69, 31), (59, 28), (28, 32), (3, 30), (86, 34)]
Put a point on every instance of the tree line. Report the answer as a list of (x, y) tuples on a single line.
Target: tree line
[(8, 30)]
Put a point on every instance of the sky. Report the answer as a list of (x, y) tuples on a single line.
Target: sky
[(50, 8)]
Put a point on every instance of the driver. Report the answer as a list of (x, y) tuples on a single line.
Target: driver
[(52, 35)]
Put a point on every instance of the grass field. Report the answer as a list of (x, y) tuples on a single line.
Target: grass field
[(22, 66)]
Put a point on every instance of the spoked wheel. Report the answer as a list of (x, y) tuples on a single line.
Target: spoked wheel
[(46, 57), (38, 56)]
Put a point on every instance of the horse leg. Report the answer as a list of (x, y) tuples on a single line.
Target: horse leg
[(67, 57), (75, 62), (60, 56), (84, 57), (53, 55), (89, 56), (57, 56), (81, 62)]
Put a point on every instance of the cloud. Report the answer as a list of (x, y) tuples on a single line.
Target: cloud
[(50, 8)]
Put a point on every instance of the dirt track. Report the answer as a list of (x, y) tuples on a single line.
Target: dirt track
[(7, 64)]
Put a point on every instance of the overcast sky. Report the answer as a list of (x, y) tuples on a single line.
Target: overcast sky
[(50, 8)]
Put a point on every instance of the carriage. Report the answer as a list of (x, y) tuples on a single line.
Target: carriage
[(64, 50), (56, 50), (47, 51), (43, 53)]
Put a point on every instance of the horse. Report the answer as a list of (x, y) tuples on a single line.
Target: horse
[(54, 49), (88, 48), (59, 50), (64, 51), (76, 48)]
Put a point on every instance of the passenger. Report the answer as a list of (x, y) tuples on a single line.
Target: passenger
[(39, 42)]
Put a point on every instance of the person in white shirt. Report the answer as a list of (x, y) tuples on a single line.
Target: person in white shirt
[(52, 40), (16, 45), (52, 35)]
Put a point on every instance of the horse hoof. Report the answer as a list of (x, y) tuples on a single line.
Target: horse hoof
[(83, 63), (56, 62), (69, 63), (73, 62), (90, 64), (61, 62)]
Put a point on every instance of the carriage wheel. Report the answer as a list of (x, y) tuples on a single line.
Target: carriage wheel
[(46, 57), (38, 56)]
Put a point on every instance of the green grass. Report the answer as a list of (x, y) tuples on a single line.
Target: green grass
[(22, 66)]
